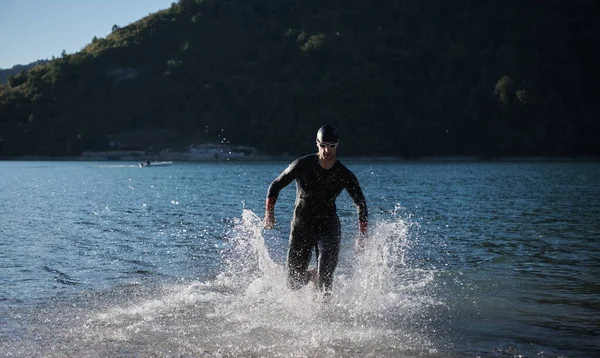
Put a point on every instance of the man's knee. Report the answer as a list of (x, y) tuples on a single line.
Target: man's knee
[(296, 278)]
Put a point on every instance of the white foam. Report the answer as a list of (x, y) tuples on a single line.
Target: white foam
[(376, 308)]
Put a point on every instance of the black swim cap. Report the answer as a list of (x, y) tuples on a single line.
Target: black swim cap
[(328, 133)]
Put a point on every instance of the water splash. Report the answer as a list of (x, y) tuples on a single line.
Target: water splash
[(379, 307)]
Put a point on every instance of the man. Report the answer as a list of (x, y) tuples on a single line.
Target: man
[(320, 179)]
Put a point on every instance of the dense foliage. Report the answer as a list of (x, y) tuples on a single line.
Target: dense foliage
[(398, 77), (16, 69)]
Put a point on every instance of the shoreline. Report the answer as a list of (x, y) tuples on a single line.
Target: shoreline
[(217, 152), (268, 158)]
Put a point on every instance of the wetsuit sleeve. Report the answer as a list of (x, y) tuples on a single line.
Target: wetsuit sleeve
[(283, 180), (355, 191)]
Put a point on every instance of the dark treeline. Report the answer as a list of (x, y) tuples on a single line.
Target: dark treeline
[(398, 77), (16, 69)]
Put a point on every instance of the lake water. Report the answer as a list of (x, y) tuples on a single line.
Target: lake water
[(105, 259)]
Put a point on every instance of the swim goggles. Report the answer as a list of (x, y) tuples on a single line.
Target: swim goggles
[(325, 145)]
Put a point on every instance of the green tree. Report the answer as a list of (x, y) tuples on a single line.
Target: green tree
[(503, 89)]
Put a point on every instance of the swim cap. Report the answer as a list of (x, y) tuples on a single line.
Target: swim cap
[(328, 133)]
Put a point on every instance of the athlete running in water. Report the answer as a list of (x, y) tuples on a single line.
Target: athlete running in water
[(320, 179)]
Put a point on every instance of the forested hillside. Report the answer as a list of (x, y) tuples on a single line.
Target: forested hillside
[(398, 77), (5, 73)]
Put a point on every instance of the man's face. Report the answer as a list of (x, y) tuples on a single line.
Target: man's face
[(327, 151)]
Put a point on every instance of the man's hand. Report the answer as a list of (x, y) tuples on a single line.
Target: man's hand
[(269, 221), (362, 235), (360, 243)]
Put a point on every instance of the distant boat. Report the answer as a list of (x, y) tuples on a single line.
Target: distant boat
[(154, 164)]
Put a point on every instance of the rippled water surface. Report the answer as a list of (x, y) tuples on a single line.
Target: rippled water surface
[(464, 260)]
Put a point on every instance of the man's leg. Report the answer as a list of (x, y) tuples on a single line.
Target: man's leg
[(328, 249), (298, 257)]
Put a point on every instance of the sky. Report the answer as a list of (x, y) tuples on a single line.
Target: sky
[(32, 30)]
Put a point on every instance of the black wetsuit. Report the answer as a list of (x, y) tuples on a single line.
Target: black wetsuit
[(315, 223)]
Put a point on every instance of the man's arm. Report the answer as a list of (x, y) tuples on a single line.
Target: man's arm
[(283, 180), (269, 222), (355, 191)]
